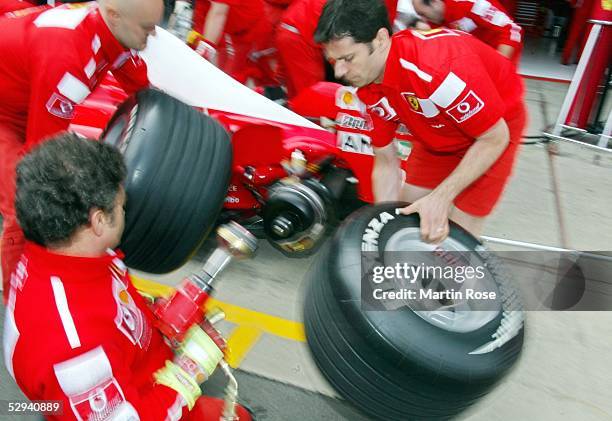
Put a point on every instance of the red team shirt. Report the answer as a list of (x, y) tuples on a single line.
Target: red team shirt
[(76, 330), (448, 88), (53, 59), (486, 20), (300, 57), (243, 14), (304, 15), (11, 5)]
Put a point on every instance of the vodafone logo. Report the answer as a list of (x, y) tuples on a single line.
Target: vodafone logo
[(469, 106), (383, 109), (378, 111), (464, 107), (60, 106)]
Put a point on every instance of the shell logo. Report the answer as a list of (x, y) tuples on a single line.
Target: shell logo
[(348, 98), (124, 296)]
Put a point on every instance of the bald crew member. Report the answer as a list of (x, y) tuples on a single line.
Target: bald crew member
[(53, 58)]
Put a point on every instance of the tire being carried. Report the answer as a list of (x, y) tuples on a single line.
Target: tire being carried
[(405, 364), (179, 166)]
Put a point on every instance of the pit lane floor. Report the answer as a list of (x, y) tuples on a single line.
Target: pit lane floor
[(565, 372)]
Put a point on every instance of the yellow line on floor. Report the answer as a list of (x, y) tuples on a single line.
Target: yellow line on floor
[(240, 342), (150, 287), (244, 317)]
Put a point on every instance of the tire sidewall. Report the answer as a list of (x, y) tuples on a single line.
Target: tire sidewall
[(178, 170), (422, 347)]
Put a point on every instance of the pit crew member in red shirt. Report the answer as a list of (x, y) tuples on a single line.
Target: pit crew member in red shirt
[(461, 100), (231, 30), (12, 5), (301, 58), (485, 19), (53, 59), (76, 330)]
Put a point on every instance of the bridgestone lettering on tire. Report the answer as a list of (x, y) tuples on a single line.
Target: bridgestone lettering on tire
[(394, 365), (179, 163)]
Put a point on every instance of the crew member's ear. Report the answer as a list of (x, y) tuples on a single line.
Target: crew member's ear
[(98, 220), (113, 16), (382, 38)]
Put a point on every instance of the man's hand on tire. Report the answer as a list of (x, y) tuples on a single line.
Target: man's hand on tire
[(434, 210)]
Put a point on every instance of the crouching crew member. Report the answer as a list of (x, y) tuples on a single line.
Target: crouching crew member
[(76, 330), (462, 101)]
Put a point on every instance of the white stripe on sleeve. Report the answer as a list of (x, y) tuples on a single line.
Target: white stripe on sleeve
[(90, 68), (72, 88), (448, 91), (61, 302), (413, 68), (480, 7)]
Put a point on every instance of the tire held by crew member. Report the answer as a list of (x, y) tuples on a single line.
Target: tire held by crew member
[(179, 166), (395, 365)]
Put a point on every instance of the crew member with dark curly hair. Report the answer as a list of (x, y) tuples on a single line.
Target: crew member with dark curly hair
[(52, 59), (76, 330)]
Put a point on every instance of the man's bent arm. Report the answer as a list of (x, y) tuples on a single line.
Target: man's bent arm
[(215, 21), (386, 174), (506, 50), (479, 158)]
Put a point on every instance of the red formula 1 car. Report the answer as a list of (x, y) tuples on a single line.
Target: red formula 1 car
[(221, 151), (287, 174)]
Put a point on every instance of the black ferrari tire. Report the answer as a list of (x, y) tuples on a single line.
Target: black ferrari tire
[(395, 365), (179, 164)]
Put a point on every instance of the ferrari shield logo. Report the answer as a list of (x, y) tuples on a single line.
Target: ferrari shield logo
[(413, 101)]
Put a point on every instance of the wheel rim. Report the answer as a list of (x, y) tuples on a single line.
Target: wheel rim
[(454, 315)]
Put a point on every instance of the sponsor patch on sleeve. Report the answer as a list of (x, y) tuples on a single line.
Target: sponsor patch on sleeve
[(353, 122), (91, 388), (355, 143), (383, 109), (104, 402), (129, 319), (60, 106), (413, 101), (346, 98), (469, 106)]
